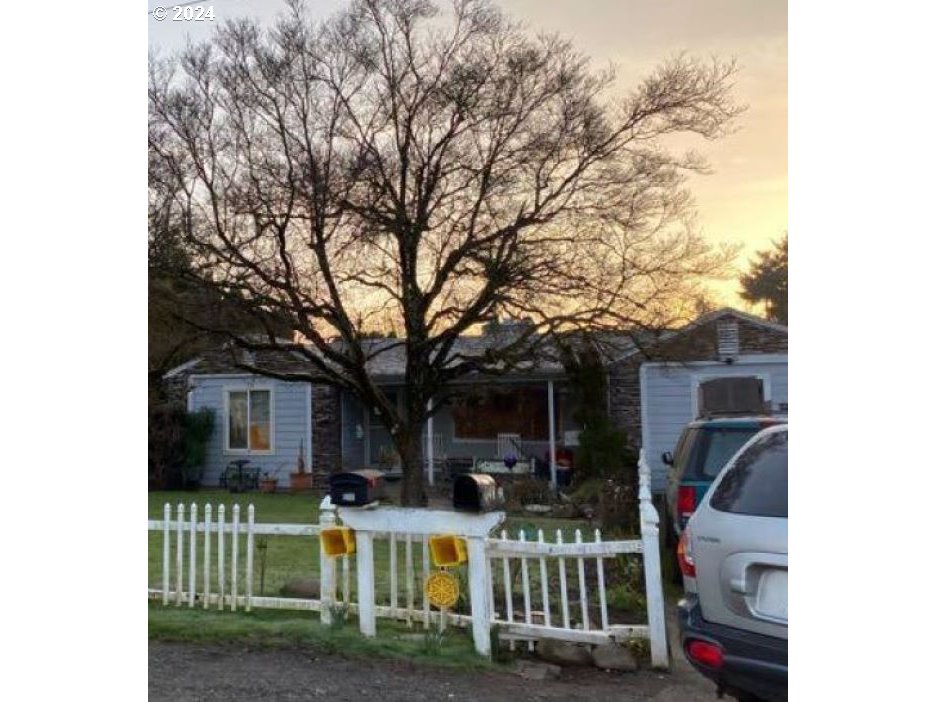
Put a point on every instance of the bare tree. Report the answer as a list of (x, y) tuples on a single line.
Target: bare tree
[(434, 169)]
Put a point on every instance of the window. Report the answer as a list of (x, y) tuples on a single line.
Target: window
[(484, 414), (249, 420), (731, 395), (757, 483)]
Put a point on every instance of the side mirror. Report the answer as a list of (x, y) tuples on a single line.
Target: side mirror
[(667, 458)]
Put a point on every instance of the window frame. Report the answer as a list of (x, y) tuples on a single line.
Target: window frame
[(227, 390)]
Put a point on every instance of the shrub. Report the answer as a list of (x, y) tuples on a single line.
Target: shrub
[(177, 445), (166, 446), (527, 491), (198, 429)]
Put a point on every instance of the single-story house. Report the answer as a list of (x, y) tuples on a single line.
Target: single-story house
[(654, 389)]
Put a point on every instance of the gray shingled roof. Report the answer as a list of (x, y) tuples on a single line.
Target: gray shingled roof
[(387, 357)]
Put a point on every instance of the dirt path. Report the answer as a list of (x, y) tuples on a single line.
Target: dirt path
[(182, 672)]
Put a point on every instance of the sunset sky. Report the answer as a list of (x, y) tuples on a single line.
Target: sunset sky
[(744, 200)]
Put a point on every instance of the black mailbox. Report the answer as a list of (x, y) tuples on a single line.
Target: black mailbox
[(356, 488), (475, 492)]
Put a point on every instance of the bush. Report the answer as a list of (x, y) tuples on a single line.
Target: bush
[(527, 491), (166, 447), (177, 445), (198, 429)]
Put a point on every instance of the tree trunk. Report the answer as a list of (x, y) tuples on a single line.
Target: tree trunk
[(409, 447)]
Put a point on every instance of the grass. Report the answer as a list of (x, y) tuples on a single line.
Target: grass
[(279, 629)]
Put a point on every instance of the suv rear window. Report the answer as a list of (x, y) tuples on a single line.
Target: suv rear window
[(757, 482), (716, 446)]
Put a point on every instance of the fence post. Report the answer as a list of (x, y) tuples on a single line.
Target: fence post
[(481, 607), (367, 615), (326, 564), (650, 536)]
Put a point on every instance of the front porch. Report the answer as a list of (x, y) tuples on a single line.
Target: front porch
[(476, 428)]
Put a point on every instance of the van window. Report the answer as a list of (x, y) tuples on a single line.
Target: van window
[(757, 482)]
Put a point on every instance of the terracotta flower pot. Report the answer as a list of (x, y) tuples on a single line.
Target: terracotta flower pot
[(268, 485)]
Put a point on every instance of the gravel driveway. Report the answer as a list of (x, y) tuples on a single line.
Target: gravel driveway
[(181, 672)]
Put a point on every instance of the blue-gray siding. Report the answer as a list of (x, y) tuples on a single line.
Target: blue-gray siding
[(291, 424), (666, 392)]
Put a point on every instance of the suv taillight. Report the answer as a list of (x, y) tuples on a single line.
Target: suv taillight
[(684, 556), (685, 501), (708, 654)]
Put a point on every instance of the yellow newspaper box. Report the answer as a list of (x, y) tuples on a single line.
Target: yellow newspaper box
[(337, 541), (448, 551)]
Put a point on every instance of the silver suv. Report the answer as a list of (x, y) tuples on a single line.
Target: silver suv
[(733, 556)]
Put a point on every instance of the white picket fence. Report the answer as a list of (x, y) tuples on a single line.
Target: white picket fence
[(512, 581)]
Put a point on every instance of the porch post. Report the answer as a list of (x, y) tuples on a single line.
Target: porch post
[(429, 448), (552, 434)]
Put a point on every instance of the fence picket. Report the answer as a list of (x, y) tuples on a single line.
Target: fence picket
[(180, 548), (525, 575), (508, 595), (193, 547), (235, 531), (583, 595), (602, 596), (346, 580), (425, 564), (167, 516), (250, 553), (563, 588), (545, 584), (489, 574), (206, 579), (394, 594), (221, 574), (410, 577)]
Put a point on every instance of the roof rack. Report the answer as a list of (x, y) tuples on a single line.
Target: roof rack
[(766, 411)]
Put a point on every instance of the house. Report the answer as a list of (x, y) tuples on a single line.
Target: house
[(723, 361), (654, 388)]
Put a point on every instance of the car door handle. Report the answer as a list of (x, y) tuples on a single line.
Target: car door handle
[(738, 585)]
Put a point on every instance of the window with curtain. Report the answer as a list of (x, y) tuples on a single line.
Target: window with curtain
[(250, 420)]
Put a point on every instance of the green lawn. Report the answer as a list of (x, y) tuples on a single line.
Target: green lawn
[(278, 628)]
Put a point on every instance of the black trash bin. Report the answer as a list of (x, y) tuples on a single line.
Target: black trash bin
[(356, 488), (475, 492)]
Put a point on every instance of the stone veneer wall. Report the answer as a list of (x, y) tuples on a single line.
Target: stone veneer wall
[(326, 428), (699, 344)]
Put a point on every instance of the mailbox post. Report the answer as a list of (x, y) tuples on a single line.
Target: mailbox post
[(326, 563), (473, 527)]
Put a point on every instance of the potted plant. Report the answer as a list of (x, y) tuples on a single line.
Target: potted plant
[(300, 479), (268, 481)]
